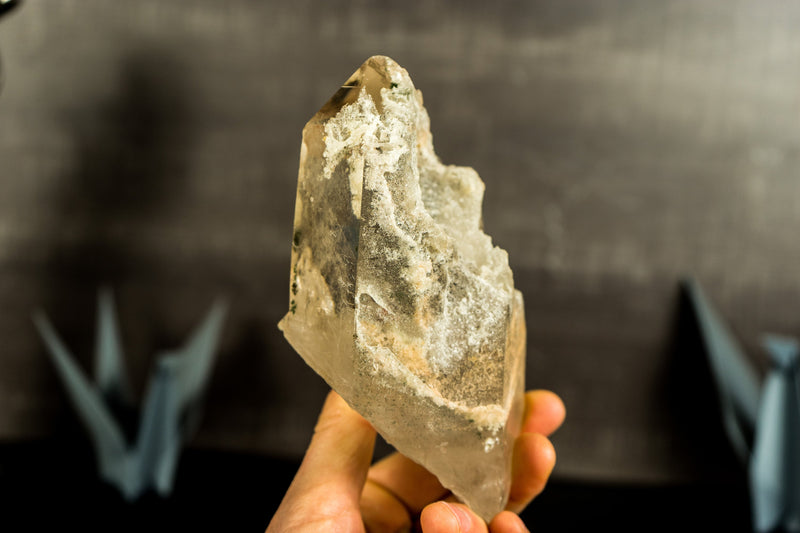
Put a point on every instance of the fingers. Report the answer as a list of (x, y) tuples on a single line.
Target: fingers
[(533, 461), (325, 491), (382, 511), (410, 486), (544, 412), (443, 517), (507, 522), (534, 456), (409, 482), (340, 451)]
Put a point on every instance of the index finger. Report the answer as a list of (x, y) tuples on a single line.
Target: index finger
[(544, 412)]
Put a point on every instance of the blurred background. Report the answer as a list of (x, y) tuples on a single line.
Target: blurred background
[(152, 147)]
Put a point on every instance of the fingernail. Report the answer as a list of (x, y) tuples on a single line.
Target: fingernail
[(463, 516)]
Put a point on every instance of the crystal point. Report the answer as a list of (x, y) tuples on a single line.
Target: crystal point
[(397, 297)]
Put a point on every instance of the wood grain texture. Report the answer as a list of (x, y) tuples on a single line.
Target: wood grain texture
[(152, 146)]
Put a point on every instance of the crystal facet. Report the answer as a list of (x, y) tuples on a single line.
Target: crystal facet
[(398, 299)]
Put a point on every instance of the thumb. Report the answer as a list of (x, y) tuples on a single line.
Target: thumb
[(328, 484), (340, 452)]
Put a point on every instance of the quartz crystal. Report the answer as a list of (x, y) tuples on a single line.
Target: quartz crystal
[(397, 297)]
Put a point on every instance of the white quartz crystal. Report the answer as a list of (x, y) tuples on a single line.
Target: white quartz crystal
[(398, 299)]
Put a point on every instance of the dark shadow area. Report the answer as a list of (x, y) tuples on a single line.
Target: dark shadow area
[(7, 5), (240, 371), (240, 492), (261, 373), (693, 406), (130, 158), (574, 506), (48, 485)]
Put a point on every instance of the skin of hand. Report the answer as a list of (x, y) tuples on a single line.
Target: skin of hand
[(336, 490)]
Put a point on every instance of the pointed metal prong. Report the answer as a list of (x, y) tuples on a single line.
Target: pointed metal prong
[(110, 372), (784, 352), (159, 440), (196, 356), (736, 380), (106, 435), (775, 466)]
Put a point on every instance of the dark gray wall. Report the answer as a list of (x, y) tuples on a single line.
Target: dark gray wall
[(152, 146)]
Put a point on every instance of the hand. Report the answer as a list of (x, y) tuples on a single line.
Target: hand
[(336, 490)]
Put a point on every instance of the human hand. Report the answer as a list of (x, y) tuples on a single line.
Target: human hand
[(336, 490)]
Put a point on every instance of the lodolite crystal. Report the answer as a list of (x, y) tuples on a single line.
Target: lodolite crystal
[(398, 299)]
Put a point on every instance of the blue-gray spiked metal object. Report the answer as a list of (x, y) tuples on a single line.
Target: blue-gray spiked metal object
[(771, 413), (170, 412)]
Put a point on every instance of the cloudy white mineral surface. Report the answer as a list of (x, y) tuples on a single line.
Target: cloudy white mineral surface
[(398, 299)]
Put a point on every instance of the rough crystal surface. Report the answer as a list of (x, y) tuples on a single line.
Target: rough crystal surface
[(397, 297)]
